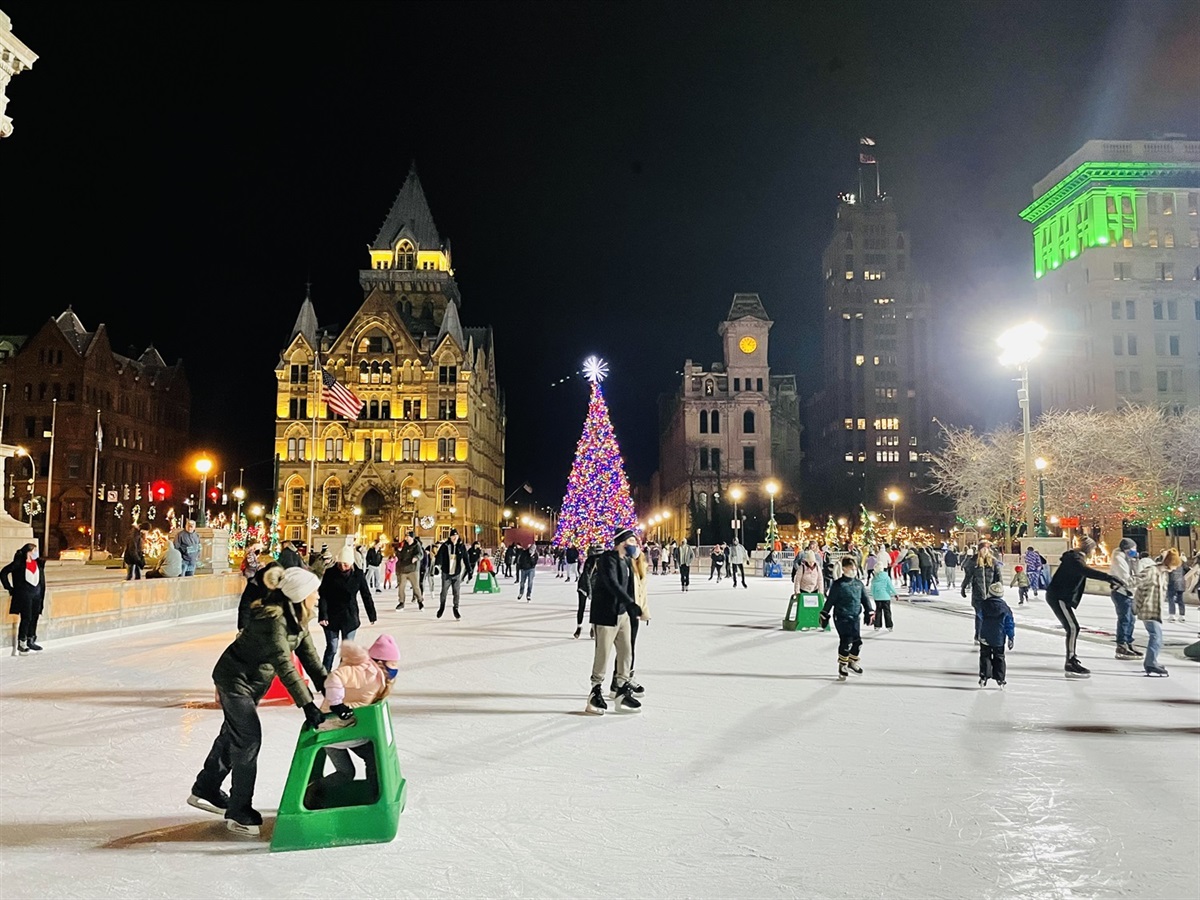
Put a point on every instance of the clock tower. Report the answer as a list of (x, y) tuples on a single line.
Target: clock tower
[(744, 332)]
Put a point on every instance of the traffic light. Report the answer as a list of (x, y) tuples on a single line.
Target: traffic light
[(213, 495), (160, 491)]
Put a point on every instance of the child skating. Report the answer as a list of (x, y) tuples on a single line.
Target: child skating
[(1020, 580), (997, 625), (845, 603), (882, 591)]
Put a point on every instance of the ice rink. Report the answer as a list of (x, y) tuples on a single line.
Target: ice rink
[(750, 773)]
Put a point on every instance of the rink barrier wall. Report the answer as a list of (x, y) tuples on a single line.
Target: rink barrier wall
[(77, 609)]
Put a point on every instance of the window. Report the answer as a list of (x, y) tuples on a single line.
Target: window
[(387, 373), (748, 459), (1193, 203), (368, 445), (375, 343), (291, 449), (328, 448), (1169, 238), (862, 424), (28, 391), (887, 424), (912, 456), (1164, 271), (446, 498), (1194, 238), (859, 359), (849, 423), (373, 409), (1131, 344), (703, 458), (1121, 381), (737, 384), (1168, 204), (1153, 237), (1172, 345), (748, 422), (1122, 271), (333, 499), (299, 374), (1197, 310), (1158, 310), (375, 373), (1162, 381), (297, 500), (1116, 309), (301, 448), (364, 373), (715, 458), (715, 420), (446, 449), (1172, 310), (447, 374), (74, 464), (1135, 381), (887, 456), (447, 409), (406, 256), (1152, 204), (849, 457), (1118, 345), (704, 421), (708, 387), (759, 383), (412, 410)]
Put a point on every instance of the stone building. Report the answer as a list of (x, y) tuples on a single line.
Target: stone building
[(15, 58), (144, 407), (732, 425), (427, 447), (1116, 234)]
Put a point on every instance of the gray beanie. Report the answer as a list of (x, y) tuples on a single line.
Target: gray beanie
[(298, 583), (1128, 544)]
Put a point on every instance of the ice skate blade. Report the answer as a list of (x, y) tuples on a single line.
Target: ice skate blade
[(201, 803), (1163, 674), (241, 830), (1078, 675), (593, 710), (628, 710), (842, 677)]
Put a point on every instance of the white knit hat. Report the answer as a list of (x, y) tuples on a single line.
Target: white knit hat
[(346, 555), (298, 583)]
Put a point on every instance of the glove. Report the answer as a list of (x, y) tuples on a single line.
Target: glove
[(963, 594), (824, 619), (312, 716), (318, 684), (578, 631), (372, 621), (1010, 643), (343, 711)]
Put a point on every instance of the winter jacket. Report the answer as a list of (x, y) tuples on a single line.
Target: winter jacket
[(290, 559), (572, 556), (171, 565), (979, 579), (997, 622), (1175, 580), (443, 559), (612, 589), (254, 590), (1073, 571), (374, 556), (687, 554), (358, 681), (188, 543), (1125, 570), (807, 578), (1149, 592), (641, 596), (408, 557), (275, 630), (951, 559), (339, 593), (473, 556), (134, 555), (26, 598), (847, 599), (1019, 579), (717, 557), (924, 560), (737, 555), (526, 560), (1034, 561), (881, 587)]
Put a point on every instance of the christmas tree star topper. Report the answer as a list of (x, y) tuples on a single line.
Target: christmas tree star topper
[(595, 369)]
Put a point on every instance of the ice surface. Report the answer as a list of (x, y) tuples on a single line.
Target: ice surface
[(750, 773)]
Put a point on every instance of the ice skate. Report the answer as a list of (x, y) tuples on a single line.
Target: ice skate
[(595, 704), (626, 701), (400, 605), (843, 672), (1075, 669), (1157, 672), (1123, 652), (245, 823), (853, 666), (441, 611), (983, 682), (634, 686), (457, 614), (1001, 684), (210, 801), (22, 647), (1129, 648)]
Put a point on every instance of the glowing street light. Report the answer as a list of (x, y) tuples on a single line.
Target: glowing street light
[(203, 466), (357, 511), (894, 496), (1019, 346), (736, 494), (772, 488), (1040, 464)]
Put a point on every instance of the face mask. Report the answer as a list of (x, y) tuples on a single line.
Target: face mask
[(633, 551), (33, 554), (388, 670), (849, 573)]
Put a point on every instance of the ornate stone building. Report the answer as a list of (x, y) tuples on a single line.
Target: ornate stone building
[(427, 448), (15, 58), (733, 425)]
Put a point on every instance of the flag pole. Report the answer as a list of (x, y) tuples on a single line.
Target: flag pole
[(95, 486), (49, 481)]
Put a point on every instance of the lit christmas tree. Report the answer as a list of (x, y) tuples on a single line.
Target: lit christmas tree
[(597, 501), (870, 537), (831, 533)]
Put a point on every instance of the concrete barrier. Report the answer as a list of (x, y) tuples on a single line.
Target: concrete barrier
[(87, 607)]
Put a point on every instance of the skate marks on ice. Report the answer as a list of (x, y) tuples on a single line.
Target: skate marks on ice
[(154, 834)]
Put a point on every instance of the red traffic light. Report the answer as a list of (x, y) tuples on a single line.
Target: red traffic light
[(159, 491), (213, 495)]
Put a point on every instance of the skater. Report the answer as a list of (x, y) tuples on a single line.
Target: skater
[(265, 580), (686, 556), (509, 556), (882, 591), (363, 678), (655, 557), (1021, 582), (612, 605), (408, 564), (641, 573), (846, 601), (526, 569), (341, 587), (583, 586), (737, 561), (806, 575), (1035, 568), (25, 580), (288, 557), (135, 557), (277, 628), (1125, 567), (998, 624), (374, 566), (572, 555), (1175, 585), (452, 562), (1152, 586), (717, 558), (980, 572), (251, 562), (389, 571), (1063, 595), (950, 561)]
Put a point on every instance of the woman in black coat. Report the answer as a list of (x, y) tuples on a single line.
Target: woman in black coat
[(25, 580), (980, 572)]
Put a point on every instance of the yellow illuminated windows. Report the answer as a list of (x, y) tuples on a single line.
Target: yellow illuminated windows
[(849, 423), (406, 255), (859, 359)]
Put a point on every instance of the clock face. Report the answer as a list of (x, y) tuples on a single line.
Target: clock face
[(747, 344)]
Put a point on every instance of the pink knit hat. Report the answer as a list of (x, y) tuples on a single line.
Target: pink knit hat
[(385, 649)]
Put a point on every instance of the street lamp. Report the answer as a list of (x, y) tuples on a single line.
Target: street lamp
[(772, 488), (240, 494), (21, 451), (203, 466), (1040, 464), (894, 496), (1019, 345), (414, 493), (737, 494), (256, 510)]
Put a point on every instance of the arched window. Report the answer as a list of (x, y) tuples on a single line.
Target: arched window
[(373, 409), (406, 450), (702, 501), (446, 449), (372, 503), (364, 373), (849, 241), (748, 422), (899, 242), (704, 421), (708, 387), (28, 391), (385, 409), (716, 422), (374, 373), (387, 373), (406, 256), (328, 448)]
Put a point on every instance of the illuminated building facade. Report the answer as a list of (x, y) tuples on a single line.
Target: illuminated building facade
[(1116, 234)]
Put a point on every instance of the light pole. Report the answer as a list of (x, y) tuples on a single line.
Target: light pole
[(666, 514), (894, 496), (203, 466), (736, 494), (772, 488), (240, 493), (21, 451), (1019, 345), (1040, 464), (415, 493)]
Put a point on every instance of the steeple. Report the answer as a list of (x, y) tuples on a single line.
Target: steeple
[(409, 213), (746, 305), (451, 325), (306, 321)]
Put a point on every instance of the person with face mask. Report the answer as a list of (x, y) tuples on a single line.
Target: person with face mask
[(612, 604), (341, 587), (25, 580), (845, 603), (277, 628)]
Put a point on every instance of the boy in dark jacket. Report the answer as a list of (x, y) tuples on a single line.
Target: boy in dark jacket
[(997, 625), (846, 600), (1063, 595)]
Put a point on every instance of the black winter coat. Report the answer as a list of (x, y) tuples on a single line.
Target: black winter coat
[(526, 560), (979, 579), (443, 558), (1069, 578), (290, 559), (275, 629), (339, 593), (612, 589), (27, 599)]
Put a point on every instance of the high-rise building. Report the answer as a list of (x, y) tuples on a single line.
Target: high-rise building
[(426, 450), (732, 425), (870, 428), (1116, 249)]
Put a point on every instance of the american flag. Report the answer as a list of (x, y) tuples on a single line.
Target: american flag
[(338, 397)]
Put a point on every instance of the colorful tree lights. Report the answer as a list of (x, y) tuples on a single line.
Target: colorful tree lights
[(597, 501)]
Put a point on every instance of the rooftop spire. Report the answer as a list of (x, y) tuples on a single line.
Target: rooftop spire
[(409, 213), (306, 321)]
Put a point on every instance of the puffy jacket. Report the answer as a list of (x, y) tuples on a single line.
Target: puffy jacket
[(1073, 571), (408, 557), (275, 629), (526, 560), (881, 587), (808, 578), (687, 554), (358, 681), (737, 555), (997, 622), (374, 556), (339, 593), (847, 599), (1124, 569), (612, 589), (979, 579)]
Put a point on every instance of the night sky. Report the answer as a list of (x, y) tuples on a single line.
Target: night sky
[(609, 175)]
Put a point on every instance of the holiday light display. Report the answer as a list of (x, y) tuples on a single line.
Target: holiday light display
[(831, 533), (597, 500)]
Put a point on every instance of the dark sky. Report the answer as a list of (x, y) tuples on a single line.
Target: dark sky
[(609, 175)]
